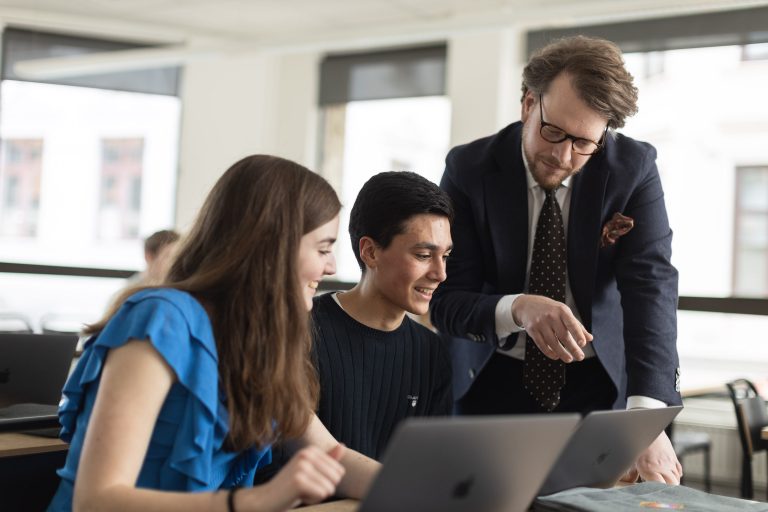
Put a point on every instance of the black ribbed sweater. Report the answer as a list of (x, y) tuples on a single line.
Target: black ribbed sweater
[(370, 380)]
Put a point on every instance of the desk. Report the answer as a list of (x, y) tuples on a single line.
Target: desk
[(14, 443), (348, 505), (28, 467), (351, 505)]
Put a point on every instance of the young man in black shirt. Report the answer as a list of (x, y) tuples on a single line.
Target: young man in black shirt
[(376, 364)]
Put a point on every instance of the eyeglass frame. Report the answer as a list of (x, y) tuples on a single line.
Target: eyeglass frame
[(567, 136)]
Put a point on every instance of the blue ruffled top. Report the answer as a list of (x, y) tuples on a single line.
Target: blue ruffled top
[(186, 451)]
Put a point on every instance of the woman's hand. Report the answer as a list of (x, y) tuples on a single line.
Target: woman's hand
[(310, 477)]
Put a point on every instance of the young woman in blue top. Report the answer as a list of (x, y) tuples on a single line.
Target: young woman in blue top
[(181, 389)]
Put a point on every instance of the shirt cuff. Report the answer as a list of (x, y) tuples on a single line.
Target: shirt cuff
[(505, 324), (644, 402)]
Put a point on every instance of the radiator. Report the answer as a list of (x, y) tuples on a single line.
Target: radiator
[(717, 418)]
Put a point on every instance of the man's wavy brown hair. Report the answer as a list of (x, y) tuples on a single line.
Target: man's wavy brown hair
[(240, 262), (597, 72)]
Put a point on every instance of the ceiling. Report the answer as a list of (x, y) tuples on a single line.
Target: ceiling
[(285, 24), (204, 29)]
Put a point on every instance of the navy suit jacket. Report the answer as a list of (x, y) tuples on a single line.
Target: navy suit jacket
[(626, 293)]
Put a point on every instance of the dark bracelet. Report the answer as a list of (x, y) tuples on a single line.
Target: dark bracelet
[(231, 499)]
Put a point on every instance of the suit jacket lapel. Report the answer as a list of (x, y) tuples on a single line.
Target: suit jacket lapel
[(506, 192), (584, 226)]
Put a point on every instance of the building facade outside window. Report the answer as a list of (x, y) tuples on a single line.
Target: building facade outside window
[(20, 167), (120, 204)]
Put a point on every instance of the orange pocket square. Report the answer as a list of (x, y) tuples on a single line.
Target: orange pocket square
[(618, 226)]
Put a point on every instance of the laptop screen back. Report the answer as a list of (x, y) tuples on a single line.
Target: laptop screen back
[(34, 367), (470, 463), (605, 445)]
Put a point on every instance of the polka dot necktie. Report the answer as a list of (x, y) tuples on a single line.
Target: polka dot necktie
[(543, 377)]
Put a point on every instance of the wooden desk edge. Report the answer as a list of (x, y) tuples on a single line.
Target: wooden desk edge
[(346, 505), (15, 443)]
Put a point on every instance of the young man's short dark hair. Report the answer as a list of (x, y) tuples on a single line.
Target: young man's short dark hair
[(387, 201)]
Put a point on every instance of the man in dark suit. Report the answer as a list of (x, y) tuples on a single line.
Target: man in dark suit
[(581, 315)]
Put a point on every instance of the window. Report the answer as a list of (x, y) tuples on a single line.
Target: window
[(755, 52), (381, 111), (95, 171), (750, 266), (88, 168), (718, 208), (702, 139)]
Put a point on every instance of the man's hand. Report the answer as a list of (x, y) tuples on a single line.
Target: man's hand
[(658, 463), (552, 326)]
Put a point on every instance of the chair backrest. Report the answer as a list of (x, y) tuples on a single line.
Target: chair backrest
[(739, 389), (53, 323), (14, 323), (751, 414), (751, 417)]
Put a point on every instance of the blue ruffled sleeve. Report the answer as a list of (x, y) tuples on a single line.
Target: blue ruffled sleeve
[(179, 329)]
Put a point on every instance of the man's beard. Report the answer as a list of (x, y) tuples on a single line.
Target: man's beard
[(542, 174)]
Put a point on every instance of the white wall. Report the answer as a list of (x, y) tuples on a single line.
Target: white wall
[(296, 120), (483, 81), (228, 112), (237, 106)]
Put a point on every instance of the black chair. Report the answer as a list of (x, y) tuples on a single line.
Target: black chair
[(688, 442), (15, 323), (751, 417), (53, 323)]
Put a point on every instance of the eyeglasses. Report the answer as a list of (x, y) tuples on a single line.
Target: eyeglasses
[(553, 134)]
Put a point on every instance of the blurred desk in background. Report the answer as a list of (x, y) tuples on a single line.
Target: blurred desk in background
[(13, 444), (28, 467)]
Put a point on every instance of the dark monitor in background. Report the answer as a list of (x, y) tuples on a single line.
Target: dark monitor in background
[(33, 369)]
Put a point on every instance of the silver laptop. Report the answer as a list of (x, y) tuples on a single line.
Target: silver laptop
[(478, 463), (604, 446), (33, 369)]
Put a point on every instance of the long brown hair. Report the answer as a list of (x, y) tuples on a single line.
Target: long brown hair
[(240, 261)]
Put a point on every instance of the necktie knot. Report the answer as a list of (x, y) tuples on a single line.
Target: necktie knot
[(550, 196)]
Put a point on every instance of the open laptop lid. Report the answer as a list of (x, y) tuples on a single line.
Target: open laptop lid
[(34, 367), (605, 445), (470, 463)]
